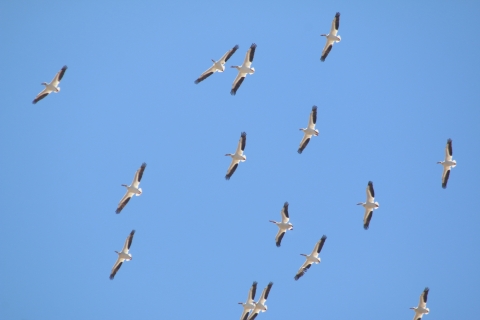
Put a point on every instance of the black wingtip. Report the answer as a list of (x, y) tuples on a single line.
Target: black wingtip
[(338, 14), (324, 237), (365, 227)]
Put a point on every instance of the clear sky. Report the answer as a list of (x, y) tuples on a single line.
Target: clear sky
[(404, 79)]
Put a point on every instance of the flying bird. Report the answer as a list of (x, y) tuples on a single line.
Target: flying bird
[(122, 255), (237, 157), (218, 66), (132, 189), (369, 205), (284, 225), (422, 305), (311, 258), (309, 131), (250, 303), (52, 86), (331, 37), (244, 69), (260, 305), (448, 164)]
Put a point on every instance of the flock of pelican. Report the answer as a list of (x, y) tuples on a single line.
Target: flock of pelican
[(252, 308)]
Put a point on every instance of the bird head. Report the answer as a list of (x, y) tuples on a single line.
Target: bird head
[(323, 35)]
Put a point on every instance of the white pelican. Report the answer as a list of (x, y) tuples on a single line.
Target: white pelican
[(260, 305), (123, 255), (132, 189), (311, 258), (284, 225), (422, 305), (369, 205), (218, 66), (244, 69), (52, 86), (309, 131), (250, 303), (238, 156), (448, 164), (331, 37)]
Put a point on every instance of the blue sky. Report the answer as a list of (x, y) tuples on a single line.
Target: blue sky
[(401, 82)]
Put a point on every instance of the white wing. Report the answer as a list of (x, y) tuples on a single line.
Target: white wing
[(417, 316), (304, 142), (305, 266), (279, 237), (116, 267), (128, 242), (237, 82), (58, 77), (313, 118), (45, 92), (228, 55), (241, 144), (370, 192), (231, 169), (326, 49), (206, 74), (247, 62), (367, 217), (124, 201), (284, 213), (448, 150), (335, 24), (445, 176), (138, 175), (244, 314)]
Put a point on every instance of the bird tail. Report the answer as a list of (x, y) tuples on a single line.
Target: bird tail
[(139, 189)]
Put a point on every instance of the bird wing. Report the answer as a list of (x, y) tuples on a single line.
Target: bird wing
[(58, 77), (254, 314), (279, 237), (370, 192), (266, 291), (445, 176), (284, 213), (335, 24), (313, 118), (116, 267), (318, 246), (247, 62), (206, 74), (367, 217), (448, 150), (128, 242), (228, 54), (241, 143), (423, 298), (306, 265), (45, 92), (326, 49), (138, 175), (244, 315), (237, 83), (418, 315), (304, 142), (252, 292), (231, 169), (124, 202)]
